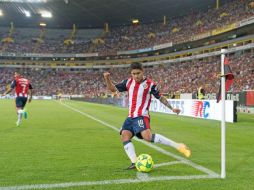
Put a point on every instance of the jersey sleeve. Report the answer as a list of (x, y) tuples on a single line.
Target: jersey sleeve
[(121, 87), (155, 91), (13, 84)]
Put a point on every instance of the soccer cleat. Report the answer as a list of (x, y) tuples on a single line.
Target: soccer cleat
[(131, 167), (18, 123), (184, 150), (25, 114)]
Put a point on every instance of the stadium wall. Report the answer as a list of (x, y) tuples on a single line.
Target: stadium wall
[(244, 98)]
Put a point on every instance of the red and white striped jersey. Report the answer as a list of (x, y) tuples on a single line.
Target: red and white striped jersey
[(139, 95), (21, 86)]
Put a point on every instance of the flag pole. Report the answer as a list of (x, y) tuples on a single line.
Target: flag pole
[(223, 125)]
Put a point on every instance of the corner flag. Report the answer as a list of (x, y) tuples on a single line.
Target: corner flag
[(229, 78)]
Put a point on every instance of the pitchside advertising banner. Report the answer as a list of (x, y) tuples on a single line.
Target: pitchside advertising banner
[(34, 97), (205, 109)]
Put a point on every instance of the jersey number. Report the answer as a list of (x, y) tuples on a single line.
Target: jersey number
[(23, 88), (141, 123)]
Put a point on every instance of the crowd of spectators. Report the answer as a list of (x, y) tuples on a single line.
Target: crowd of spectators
[(183, 77), (176, 30)]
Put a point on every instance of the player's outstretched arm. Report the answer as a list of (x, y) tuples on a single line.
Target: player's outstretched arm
[(110, 85), (164, 100), (7, 92)]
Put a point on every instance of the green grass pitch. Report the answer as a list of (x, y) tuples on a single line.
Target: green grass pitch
[(58, 145)]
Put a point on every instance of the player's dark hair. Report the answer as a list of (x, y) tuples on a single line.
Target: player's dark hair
[(136, 65), (19, 73)]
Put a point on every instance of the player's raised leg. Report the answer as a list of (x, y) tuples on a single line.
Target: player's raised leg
[(182, 148), (157, 138)]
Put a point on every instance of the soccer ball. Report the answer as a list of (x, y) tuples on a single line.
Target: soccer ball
[(144, 163)]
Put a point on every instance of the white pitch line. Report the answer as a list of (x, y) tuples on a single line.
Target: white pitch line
[(142, 176), (145, 176), (91, 117), (188, 162), (168, 164), (105, 182)]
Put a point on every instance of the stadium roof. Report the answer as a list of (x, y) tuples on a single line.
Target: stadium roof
[(94, 13)]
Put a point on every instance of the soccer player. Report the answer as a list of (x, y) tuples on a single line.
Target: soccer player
[(137, 124), (23, 91)]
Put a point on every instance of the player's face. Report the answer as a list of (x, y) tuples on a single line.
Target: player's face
[(16, 74), (137, 75)]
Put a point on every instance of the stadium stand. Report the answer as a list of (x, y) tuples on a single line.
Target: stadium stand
[(171, 77), (122, 38)]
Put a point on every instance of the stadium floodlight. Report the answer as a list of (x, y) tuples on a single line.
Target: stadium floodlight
[(27, 13), (42, 24), (1, 13), (46, 14), (135, 21)]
